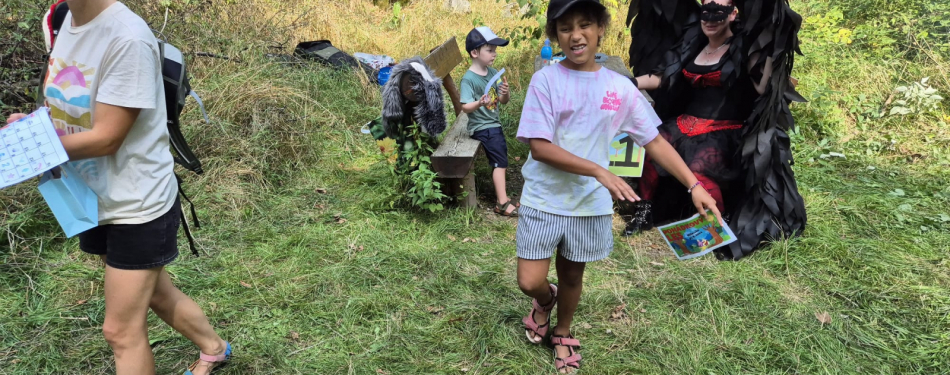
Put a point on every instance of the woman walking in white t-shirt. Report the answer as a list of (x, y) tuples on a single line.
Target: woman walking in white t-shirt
[(105, 93)]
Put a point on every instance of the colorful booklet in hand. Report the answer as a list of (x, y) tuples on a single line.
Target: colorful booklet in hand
[(494, 79), (626, 157), (695, 237)]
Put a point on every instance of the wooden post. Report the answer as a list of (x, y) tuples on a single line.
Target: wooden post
[(449, 85), (468, 188)]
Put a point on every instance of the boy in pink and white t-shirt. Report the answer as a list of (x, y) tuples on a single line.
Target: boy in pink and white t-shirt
[(572, 112)]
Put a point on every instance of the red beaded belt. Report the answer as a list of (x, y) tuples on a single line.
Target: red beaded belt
[(692, 126)]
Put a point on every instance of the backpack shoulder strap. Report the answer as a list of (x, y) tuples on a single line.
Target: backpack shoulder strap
[(184, 221), (54, 20), (201, 105), (52, 23)]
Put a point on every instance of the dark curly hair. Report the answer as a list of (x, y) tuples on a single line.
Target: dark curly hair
[(592, 12)]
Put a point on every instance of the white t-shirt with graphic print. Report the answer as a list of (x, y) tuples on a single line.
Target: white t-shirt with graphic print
[(114, 59), (581, 112)]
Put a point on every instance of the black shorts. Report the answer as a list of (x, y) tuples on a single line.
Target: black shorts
[(493, 140), (136, 246)]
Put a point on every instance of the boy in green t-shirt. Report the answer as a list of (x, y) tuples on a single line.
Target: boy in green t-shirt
[(483, 121)]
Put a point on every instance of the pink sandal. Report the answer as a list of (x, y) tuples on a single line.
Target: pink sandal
[(531, 326), (572, 344)]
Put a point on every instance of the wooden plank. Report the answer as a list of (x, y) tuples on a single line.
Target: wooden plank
[(456, 154), (457, 142), (444, 58), (616, 64)]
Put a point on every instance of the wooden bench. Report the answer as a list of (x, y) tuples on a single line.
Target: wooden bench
[(455, 157)]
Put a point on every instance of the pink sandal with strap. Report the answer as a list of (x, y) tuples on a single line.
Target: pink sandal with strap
[(572, 344), (541, 331)]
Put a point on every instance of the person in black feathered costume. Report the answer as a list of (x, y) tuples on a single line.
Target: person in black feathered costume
[(719, 73)]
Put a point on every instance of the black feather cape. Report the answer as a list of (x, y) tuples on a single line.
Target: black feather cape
[(667, 35)]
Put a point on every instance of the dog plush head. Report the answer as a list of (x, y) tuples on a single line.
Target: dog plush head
[(412, 83)]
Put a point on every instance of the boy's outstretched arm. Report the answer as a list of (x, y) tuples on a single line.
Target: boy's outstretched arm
[(474, 106), (551, 154), (667, 157)]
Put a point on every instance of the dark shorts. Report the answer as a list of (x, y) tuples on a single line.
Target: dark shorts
[(493, 140), (136, 246)]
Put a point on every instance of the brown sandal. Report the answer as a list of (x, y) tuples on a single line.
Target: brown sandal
[(503, 209)]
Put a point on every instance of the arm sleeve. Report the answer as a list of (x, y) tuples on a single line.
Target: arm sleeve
[(537, 115), (130, 76), (467, 91), (642, 122)]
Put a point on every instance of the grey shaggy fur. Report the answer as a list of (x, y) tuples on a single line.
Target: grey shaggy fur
[(429, 113)]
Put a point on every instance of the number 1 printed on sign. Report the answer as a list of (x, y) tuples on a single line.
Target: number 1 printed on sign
[(626, 157)]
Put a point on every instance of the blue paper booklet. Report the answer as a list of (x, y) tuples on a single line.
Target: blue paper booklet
[(28, 148), (74, 204)]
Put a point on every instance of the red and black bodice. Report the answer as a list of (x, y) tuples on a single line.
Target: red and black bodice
[(712, 106)]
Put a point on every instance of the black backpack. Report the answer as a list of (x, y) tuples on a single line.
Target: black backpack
[(177, 91), (325, 53)]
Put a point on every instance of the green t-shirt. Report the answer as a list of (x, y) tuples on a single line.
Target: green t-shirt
[(473, 86)]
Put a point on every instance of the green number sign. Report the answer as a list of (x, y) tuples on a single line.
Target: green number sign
[(626, 157)]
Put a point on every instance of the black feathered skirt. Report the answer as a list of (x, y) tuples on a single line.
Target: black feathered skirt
[(710, 150)]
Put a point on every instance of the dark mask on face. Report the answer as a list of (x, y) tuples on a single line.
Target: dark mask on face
[(713, 12)]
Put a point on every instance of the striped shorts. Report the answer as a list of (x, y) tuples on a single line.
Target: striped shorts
[(577, 238)]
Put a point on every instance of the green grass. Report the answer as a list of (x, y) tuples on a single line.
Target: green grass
[(304, 281)]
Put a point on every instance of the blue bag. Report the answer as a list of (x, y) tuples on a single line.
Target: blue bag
[(74, 204)]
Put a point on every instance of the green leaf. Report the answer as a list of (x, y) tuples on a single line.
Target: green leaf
[(900, 111), (897, 193)]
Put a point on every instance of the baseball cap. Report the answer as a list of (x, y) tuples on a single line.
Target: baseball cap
[(481, 36), (557, 8)]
